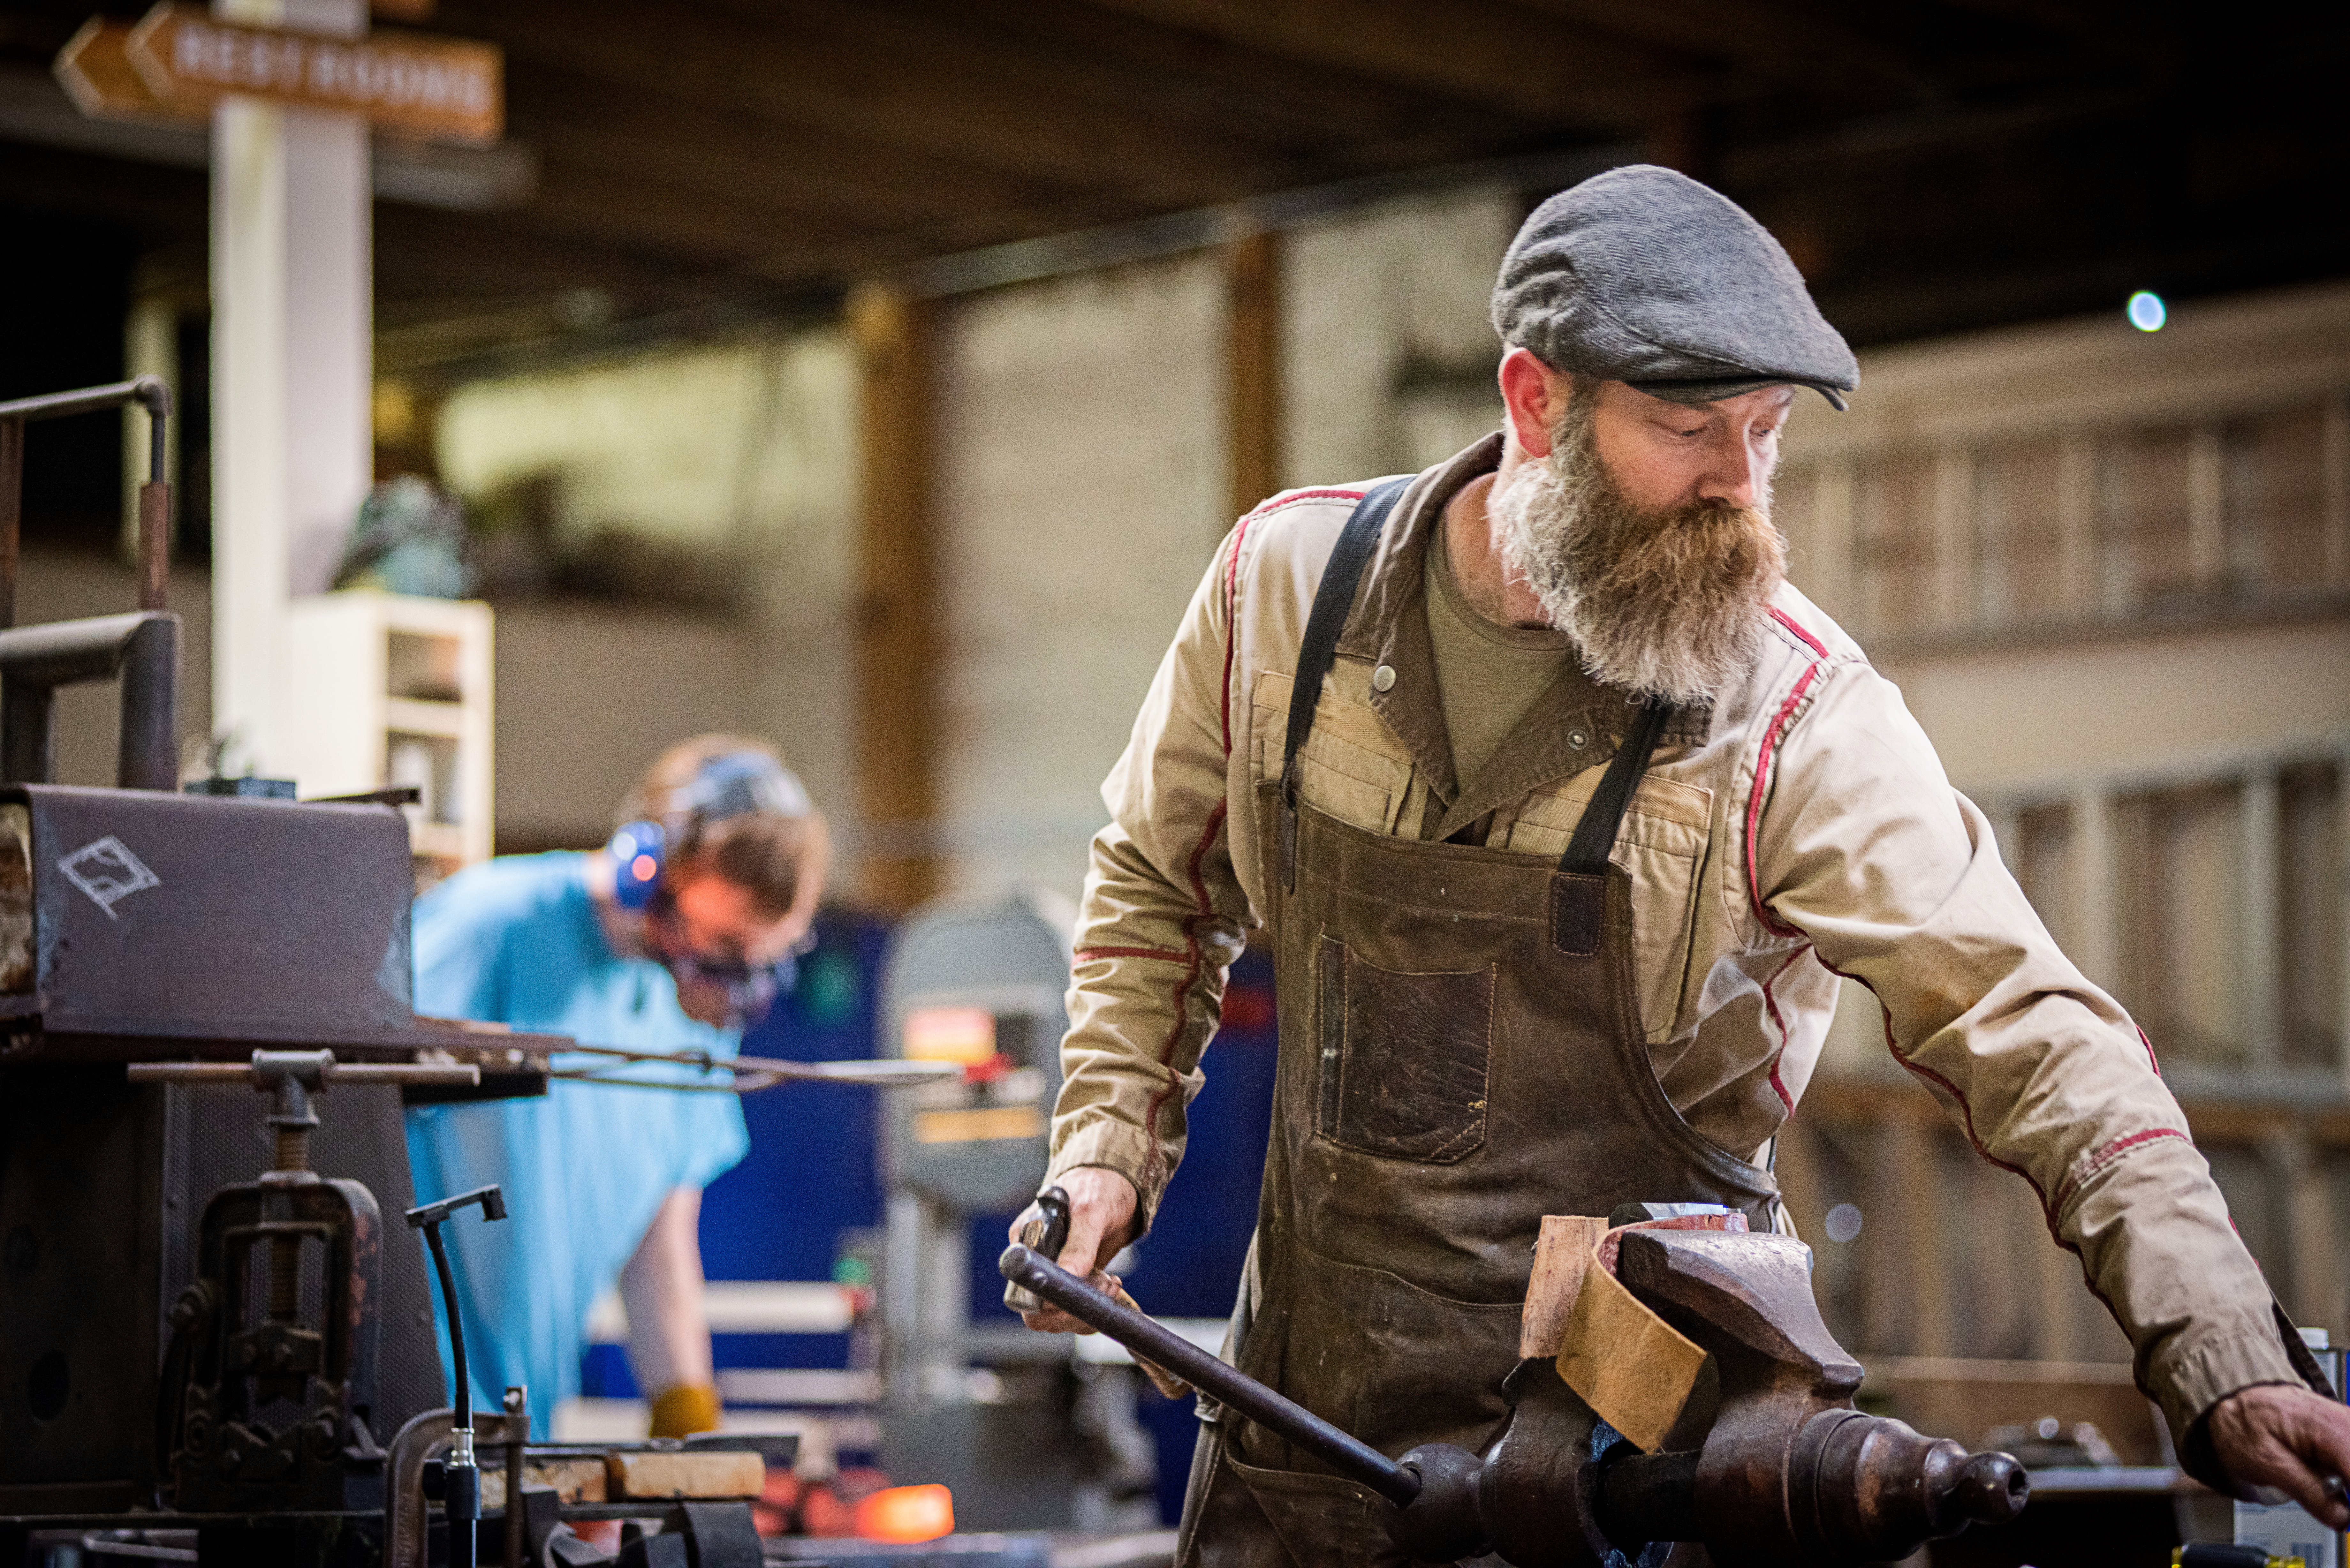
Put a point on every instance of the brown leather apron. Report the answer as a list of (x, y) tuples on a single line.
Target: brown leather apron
[(1460, 1055)]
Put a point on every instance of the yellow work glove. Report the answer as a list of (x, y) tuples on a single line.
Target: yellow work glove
[(688, 1409)]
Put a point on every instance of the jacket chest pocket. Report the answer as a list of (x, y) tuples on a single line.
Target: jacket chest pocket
[(1663, 848), (1352, 768), (1402, 1063)]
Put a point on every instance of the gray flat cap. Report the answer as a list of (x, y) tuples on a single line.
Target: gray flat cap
[(1642, 275)]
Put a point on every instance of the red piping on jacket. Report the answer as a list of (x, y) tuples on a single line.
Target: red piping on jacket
[(1763, 761), (1777, 1085), (1154, 1158)]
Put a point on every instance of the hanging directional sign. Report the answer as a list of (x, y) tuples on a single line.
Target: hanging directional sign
[(98, 75), (182, 60)]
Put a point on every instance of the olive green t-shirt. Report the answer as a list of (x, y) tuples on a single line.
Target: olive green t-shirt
[(1487, 674)]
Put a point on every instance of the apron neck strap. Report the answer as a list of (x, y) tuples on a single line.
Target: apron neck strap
[(1333, 600), (1595, 836)]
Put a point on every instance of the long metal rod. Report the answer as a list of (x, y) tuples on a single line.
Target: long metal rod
[(1165, 1348), (886, 1071), (148, 391), (446, 1074)]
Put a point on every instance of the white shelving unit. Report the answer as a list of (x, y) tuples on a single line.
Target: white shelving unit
[(386, 688)]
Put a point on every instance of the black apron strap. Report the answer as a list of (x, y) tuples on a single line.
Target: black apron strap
[(1595, 836), (1578, 893), (1333, 600)]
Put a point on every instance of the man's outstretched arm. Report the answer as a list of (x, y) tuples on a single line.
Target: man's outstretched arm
[(1864, 850)]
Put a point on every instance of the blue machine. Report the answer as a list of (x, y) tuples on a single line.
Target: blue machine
[(810, 1193)]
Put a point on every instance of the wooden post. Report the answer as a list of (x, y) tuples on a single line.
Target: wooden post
[(1957, 593), (2057, 1293), (2207, 508), (1802, 1183), (897, 626), (2096, 940), (1933, 1323), (1833, 547), (1254, 368), (2077, 526), (2337, 490), (2262, 1010)]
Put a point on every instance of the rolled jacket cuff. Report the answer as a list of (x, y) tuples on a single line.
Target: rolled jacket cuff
[(2190, 1376), (1113, 1146)]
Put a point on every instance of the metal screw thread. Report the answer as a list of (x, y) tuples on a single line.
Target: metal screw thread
[(285, 1281), (293, 1149)]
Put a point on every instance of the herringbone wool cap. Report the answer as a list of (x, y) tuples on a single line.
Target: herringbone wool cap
[(1642, 275)]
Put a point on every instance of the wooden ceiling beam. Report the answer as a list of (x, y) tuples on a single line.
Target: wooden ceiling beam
[(729, 148), (656, 218), (1765, 38), (1482, 51), (429, 262), (999, 114), (156, 202), (1197, 79)]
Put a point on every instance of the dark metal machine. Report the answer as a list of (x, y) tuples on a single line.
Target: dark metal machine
[(200, 1360), (1778, 1468), (198, 1311)]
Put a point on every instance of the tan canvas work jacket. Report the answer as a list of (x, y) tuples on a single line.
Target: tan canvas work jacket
[(1799, 830)]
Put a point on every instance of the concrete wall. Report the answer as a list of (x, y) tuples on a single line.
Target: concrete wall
[(744, 452), (1386, 358), (1079, 484)]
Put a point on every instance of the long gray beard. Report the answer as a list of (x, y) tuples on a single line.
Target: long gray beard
[(1665, 605)]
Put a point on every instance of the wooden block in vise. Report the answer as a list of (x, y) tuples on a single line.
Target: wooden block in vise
[(574, 1480), (692, 1473), (1561, 1255)]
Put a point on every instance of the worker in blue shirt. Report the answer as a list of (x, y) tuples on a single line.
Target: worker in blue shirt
[(670, 940)]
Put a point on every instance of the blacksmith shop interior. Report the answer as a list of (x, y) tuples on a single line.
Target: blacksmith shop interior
[(931, 930)]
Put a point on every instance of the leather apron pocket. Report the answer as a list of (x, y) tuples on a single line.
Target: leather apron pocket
[(1403, 1059), (1378, 1356), (1320, 1520)]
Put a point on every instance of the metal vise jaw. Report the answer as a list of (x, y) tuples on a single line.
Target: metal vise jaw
[(1770, 1465)]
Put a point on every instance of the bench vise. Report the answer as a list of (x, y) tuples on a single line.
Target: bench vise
[(1769, 1466)]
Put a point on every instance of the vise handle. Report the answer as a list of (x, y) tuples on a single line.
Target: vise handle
[(1152, 1341)]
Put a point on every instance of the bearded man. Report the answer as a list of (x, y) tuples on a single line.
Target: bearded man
[(1564, 812)]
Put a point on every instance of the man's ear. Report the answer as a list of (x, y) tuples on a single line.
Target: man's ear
[(1535, 395)]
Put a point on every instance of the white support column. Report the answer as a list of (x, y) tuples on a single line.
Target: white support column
[(2337, 490), (2258, 879), (150, 347), (2096, 944), (2076, 526), (2207, 508), (1955, 591), (292, 314), (249, 459)]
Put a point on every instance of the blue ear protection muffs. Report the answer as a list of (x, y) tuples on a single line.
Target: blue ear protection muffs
[(636, 853), (733, 783)]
